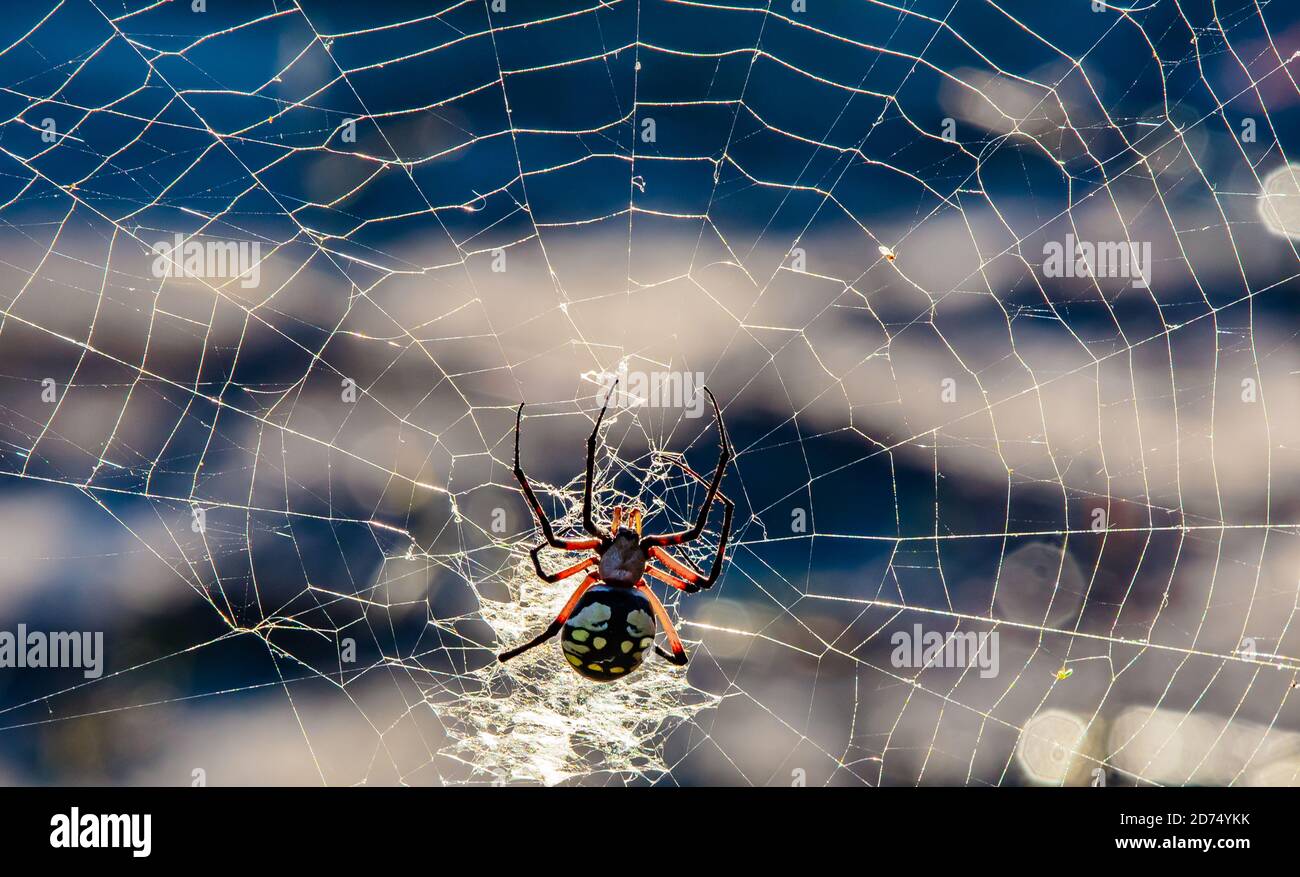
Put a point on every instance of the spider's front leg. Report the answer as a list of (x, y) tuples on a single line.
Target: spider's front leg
[(692, 579), (588, 518), (547, 530), (724, 457)]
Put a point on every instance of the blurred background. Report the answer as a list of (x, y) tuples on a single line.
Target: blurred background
[(284, 492)]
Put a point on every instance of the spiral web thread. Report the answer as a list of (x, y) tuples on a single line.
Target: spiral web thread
[(778, 233)]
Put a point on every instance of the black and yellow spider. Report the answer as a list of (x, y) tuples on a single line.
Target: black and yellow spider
[(610, 619)]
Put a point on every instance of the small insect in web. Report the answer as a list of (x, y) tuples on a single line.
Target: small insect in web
[(610, 619)]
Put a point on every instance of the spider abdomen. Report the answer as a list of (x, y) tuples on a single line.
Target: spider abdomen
[(608, 634)]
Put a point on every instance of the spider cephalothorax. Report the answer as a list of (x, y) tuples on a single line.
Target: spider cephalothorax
[(610, 619), (623, 560)]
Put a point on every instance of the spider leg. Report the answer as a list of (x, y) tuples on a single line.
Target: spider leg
[(678, 655), (724, 457), (588, 520), (667, 579), (555, 625), (552, 578), (694, 575), (695, 581), (547, 530)]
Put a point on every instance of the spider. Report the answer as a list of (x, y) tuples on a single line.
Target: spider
[(610, 618)]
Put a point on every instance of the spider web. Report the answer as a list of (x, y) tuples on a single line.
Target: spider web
[(289, 502)]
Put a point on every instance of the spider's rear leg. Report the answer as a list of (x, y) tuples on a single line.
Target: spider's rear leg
[(556, 625), (678, 655)]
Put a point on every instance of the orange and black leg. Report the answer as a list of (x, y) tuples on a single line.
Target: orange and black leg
[(552, 578), (547, 530), (669, 580), (724, 457), (557, 624), (695, 578), (678, 655)]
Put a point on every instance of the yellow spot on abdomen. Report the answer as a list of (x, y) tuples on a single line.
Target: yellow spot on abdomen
[(580, 635), (599, 642), (574, 660), (596, 667), (626, 646), (616, 669)]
